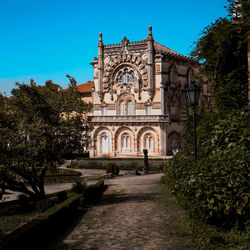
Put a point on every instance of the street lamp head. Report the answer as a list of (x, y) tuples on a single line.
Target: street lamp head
[(193, 93)]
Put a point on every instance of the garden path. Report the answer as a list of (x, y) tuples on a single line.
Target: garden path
[(136, 212)]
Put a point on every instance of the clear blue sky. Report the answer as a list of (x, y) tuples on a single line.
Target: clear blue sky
[(47, 39)]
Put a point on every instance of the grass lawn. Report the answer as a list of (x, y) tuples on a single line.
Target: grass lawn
[(10, 222), (12, 217), (61, 176)]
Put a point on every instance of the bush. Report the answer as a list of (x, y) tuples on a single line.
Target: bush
[(112, 168), (43, 205), (74, 164), (93, 192), (216, 189), (62, 196), (79, 187)]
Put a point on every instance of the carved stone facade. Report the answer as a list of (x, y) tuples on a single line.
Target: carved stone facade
[(138, 95)]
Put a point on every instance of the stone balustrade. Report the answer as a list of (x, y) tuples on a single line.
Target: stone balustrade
[(131, 118)]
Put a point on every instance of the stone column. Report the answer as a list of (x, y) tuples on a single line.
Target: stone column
[(100, 64), (163, 139), (150, 49), (163, 104), (113, 146)]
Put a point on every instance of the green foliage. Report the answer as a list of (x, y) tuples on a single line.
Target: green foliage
[(39, 126), (122, 163), (222, 49), (93, 192), (79, 187), (112, 168), (217, 187), (62, 196)]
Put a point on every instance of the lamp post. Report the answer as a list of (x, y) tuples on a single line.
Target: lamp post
[(193, 93)]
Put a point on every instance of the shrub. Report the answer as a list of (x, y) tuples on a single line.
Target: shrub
[(93, 192), (216, 189), (79, 187), (43, 205), (112, 168), (62, 196), (74, 164), (23, 198)]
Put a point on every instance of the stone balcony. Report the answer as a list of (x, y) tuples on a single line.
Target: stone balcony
[(130, 119)]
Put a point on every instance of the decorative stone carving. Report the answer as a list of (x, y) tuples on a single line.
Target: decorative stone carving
[(125, 41), (151, 94), (107, 59), (101, 95), (157, 68), (144, 57)]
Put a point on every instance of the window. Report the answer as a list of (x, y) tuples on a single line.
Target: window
[(104, 143), (149, 142), (130, 77), (130, 107), (126, 75), (125, 141), (122, 108), (148, 110), (119, 77), (126, 107)]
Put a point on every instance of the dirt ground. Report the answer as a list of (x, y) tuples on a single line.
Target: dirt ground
[(136, 212)]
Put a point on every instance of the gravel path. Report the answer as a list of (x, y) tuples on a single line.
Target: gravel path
[(132, 214)]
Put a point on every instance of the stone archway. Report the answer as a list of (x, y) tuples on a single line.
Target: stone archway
[(102, 142), (124, 140), (148, 138)]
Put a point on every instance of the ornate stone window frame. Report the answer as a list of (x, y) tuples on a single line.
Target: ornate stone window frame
[(126, 75), (127, 100), (125, 142), (102, 136), (149, 142)]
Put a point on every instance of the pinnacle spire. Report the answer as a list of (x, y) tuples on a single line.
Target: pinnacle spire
[(100, 40), (150, 35)]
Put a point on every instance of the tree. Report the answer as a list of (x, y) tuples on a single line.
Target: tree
[(217, 186), (40, 126), (223, 51)]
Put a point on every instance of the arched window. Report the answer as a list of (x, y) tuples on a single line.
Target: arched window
[(130, 107), (149, 142), (126, 75), (122, 108), (119, 77), (104, 143), (125, 106), (125, 142), (131, 77)]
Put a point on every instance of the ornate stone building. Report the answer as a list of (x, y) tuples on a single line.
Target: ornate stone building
[(138, 96)]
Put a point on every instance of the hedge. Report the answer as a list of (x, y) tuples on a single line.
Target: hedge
[(42, 228)]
